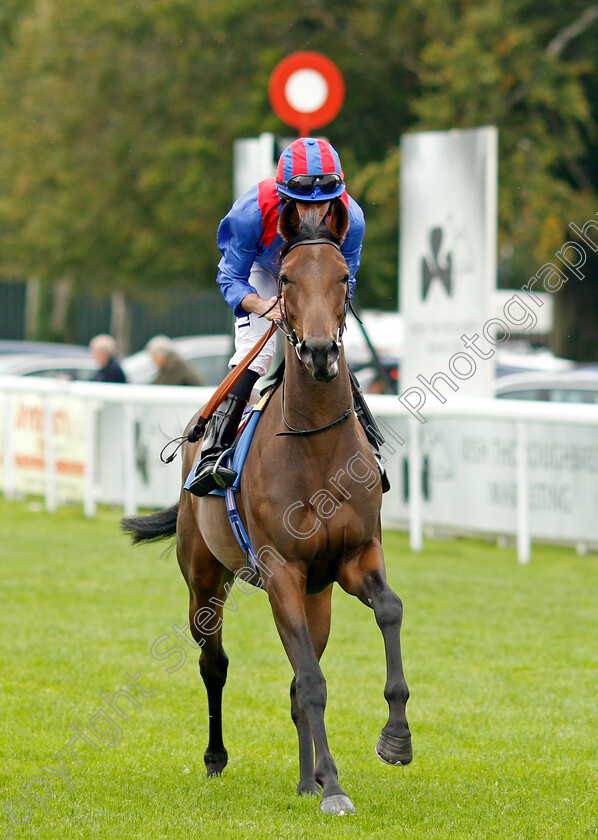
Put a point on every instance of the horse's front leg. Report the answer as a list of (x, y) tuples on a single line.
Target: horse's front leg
[(286, 591), (317, 610), (365, 577)]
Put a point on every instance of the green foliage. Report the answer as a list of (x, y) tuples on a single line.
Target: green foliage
[(120, 171), (482, 71), (376, 187), (117, 122), (485, 63)]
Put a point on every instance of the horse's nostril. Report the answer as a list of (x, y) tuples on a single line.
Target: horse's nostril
[(304, 352), (320, 356)]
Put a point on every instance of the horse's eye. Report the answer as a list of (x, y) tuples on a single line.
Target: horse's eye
[(346, 278), (283, 279)]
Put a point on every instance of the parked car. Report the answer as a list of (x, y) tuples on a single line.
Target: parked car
[(542, 376), (573, 386), (519, 358), (57, 367), (209, 355), (368, 374), (45, 348)]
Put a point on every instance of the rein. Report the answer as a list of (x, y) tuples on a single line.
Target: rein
[(304, 432)]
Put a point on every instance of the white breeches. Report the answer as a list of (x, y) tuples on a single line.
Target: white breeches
[(249, 328)]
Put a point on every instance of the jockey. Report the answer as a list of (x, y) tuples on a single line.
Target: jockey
[(309, 173)]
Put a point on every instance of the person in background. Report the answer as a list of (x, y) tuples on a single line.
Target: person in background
[(103, 349), (172, 369)]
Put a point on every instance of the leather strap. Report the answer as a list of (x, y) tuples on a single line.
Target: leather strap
[(233, 377)]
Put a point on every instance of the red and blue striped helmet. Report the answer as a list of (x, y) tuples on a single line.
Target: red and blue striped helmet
[(310, 170)]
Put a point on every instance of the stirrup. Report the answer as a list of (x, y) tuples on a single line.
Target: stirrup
[(216, 476), (223, 476)]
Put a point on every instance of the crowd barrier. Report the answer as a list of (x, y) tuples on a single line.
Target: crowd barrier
[(506, 469)]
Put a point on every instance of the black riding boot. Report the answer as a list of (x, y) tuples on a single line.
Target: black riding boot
[(370, 427), (219, 436)]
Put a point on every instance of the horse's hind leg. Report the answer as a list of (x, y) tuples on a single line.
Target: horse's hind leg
[(365, 577), (213, 666), (317, 610), (207, 580)]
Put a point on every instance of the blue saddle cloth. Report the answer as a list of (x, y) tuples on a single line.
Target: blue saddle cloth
[(239, 454), (236, 460)]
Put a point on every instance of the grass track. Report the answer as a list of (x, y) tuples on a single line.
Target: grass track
[(501, 660)]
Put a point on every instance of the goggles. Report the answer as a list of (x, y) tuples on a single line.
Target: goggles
[(306, 184)]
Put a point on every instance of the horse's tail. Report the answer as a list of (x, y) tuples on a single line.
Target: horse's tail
[(156, 526)]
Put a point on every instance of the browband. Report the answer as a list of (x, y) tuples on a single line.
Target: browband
[(312, 242)]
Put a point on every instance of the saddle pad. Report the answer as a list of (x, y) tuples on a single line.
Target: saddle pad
[(241, 447)]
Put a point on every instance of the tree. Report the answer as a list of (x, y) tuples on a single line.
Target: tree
[(117, 123)]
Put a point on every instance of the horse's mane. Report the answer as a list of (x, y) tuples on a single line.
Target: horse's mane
[(309, 228), (274, 379)]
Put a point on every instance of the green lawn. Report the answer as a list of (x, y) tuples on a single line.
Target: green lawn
[(501, 660)]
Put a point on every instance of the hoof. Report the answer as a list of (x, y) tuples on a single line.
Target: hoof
[(337, 804), (393, 750), (308, 788), (215, 764)]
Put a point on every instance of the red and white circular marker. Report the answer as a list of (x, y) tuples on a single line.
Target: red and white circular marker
[(306, 90)]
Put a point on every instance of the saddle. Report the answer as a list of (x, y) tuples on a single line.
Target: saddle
[(236, 456)]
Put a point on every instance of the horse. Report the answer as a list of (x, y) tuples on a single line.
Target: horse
[(310, 500)]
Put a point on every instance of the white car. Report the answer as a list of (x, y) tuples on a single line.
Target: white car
[(573, 386), (57, 367), (207, 354)]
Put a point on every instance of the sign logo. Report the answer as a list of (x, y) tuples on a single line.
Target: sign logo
[(432, 269)]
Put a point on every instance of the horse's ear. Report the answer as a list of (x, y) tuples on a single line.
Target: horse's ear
[(288, 222), (338, 220)]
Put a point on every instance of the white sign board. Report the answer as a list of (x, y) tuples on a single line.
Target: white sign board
[(447, 258), (253, 160), (469, 477), (32, 417)]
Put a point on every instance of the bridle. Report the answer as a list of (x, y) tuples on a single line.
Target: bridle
[(293, 339), (285, 325)]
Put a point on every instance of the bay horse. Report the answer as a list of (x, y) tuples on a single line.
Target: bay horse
[(310, 499)]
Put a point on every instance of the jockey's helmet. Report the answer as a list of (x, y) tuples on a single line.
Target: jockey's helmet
[(310, 170)]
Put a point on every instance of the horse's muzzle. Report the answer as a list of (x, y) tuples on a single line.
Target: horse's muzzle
[(320, 357)]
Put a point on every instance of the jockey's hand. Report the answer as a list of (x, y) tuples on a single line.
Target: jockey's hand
[(276, 314), (260, 306)]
